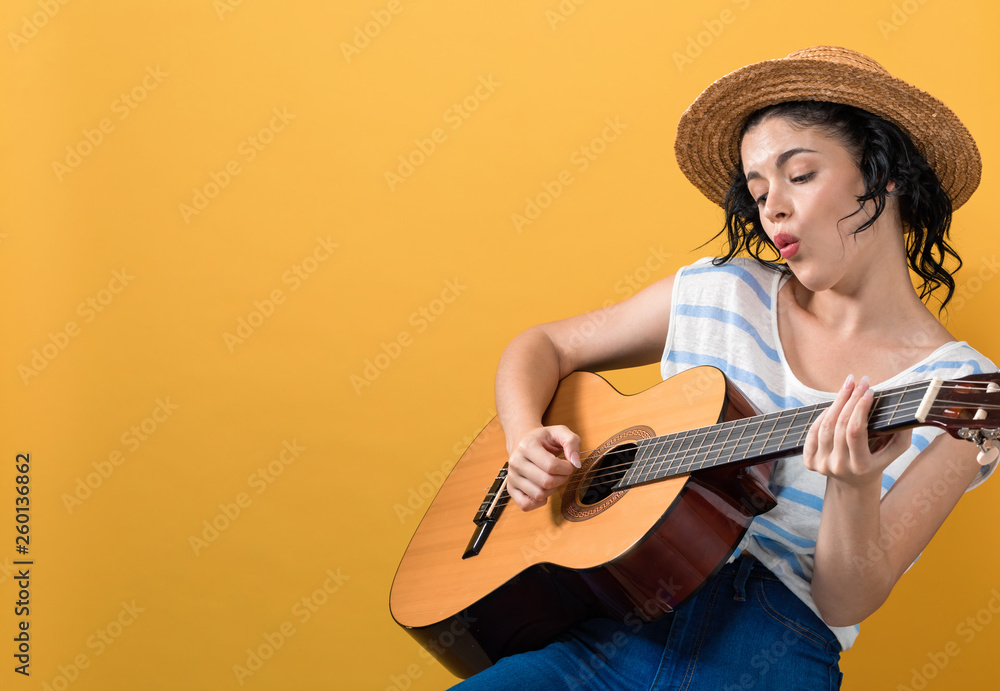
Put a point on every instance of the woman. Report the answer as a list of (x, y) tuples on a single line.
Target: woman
[(848, 175)]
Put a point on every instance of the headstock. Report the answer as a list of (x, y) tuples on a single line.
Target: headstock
[(967, 408)]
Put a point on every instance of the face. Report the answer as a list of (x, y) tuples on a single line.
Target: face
[(806, 185)]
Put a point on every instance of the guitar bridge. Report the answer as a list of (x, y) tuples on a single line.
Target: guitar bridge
[(489, 512)]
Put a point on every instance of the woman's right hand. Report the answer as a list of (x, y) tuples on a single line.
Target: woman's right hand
[(535, 471)]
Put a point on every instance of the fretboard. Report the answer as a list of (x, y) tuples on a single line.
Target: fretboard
[(757, 439)]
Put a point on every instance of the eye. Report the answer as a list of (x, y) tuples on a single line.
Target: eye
[(761, 200), (803, 178)]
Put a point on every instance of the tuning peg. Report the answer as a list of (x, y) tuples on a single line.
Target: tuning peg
[(988, 452)]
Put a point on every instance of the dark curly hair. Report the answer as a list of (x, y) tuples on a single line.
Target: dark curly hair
[(883, 153)]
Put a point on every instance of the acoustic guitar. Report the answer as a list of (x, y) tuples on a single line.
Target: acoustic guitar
[(669, 483)]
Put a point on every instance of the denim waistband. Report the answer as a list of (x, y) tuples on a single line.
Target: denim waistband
[(750, 566)]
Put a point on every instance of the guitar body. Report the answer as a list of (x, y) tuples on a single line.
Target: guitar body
[(635, 554)]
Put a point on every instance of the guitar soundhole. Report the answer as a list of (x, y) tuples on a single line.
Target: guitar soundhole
[(591, 490), (606, 473)]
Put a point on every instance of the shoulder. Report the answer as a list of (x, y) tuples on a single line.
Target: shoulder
[(739, 276), (955, 359)]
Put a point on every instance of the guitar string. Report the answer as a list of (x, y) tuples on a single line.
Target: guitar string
[(913, 405), (665, 460), (880, 416), (687, 450)]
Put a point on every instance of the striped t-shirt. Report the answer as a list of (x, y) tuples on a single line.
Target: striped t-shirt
[(725, 316)]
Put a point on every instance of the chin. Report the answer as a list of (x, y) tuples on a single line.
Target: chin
[(812, 280)]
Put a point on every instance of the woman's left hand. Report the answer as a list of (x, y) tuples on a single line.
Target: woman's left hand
[(837, 444)]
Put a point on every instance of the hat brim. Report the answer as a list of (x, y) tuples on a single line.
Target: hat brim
[(708, 134)]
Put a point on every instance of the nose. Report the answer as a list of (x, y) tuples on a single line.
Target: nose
[(777, 207)]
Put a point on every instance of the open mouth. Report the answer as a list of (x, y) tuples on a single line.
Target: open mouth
[(787, 245)]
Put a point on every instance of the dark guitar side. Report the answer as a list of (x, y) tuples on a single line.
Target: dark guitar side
[(634, 556)]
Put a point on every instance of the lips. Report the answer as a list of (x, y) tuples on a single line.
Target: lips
[(787, 244)]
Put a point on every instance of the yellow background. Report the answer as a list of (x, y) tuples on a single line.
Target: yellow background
[(440, 239)]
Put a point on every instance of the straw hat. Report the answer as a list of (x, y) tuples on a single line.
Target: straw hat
[(708, 133)]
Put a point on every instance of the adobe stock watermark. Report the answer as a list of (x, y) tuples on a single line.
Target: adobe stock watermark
[(421, 318), (630, 284), (440, 645), (967, 630), (122, 106), (35, 22), (365, 33), (99, 642), (579, 160), (563, 11), (302, 611), (875, 549), (901, 13), (971, 286), (421, 495), (259, 481), (454, 116), (224, 7), (698, 43), (132, 438), (294, 277), (88, 309), (651, 608), (249, 149)]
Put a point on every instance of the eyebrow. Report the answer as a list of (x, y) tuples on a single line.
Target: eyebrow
[(781, 160)]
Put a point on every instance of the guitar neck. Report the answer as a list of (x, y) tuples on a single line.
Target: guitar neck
[(760, 438)]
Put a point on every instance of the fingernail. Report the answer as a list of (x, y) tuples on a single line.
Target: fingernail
[(574, 458), (848, 381), (864, 380)]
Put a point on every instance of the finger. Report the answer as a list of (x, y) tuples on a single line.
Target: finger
[(570, 446), (523, 501), (895, 446), (827, 423), (856, 424), (811, 447), (561, 439)]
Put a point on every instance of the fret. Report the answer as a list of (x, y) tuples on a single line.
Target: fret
[(886, 406), (742, 441), (801, 422), (767, 428), (755, 445), (645, 456), (788, 426), (683, 452), (662, 454), (706, 449), (727, 443)]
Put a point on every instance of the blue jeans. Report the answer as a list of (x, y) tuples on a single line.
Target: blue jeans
[(743, 630)]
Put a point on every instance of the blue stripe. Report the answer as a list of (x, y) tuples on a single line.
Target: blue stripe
[(798, 496), (920, 441), (684, 357), (727, 317), (741, 274), (950, 364), (887, 481), (780, 551), (789, 537)]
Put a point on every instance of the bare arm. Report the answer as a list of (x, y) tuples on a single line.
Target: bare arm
[(865, 545), (626, 334)]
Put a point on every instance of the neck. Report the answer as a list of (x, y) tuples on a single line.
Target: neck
[(757, 439)]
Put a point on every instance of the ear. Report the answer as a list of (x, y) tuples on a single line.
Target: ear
[(891, 186)]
